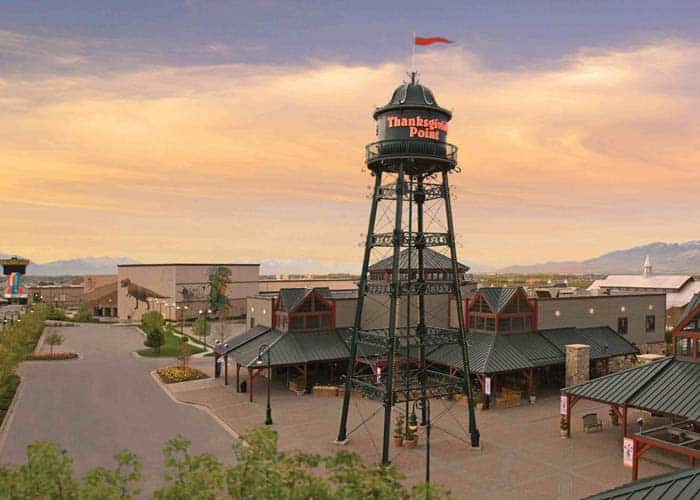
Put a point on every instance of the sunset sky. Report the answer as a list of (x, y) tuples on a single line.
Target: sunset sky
[(235, 131)]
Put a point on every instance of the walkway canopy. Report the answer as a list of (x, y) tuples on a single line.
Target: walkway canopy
[(296, 350), (500, 353), (668, 386), (676, 485)]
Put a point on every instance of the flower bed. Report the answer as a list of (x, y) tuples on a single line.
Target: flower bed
[(47, 356), (173, 374)]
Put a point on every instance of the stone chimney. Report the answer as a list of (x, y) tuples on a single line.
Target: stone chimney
[(578, 358)]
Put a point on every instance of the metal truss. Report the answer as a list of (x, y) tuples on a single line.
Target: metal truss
[(410, 239)]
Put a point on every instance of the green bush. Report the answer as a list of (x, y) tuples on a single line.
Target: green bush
[(83, 315)]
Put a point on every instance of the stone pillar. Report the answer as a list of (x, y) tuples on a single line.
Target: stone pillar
[(578, 357)]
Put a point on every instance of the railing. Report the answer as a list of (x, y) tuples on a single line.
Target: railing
[(414, 148)]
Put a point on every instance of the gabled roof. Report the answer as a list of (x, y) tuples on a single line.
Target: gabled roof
[(684, 484), (498, 297), (489, 353), (290, 298), (690, 311), (287, 348), (667, 386), (431, 260)]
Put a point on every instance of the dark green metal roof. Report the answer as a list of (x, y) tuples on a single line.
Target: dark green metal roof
[(690, 308), (489, 353), (604, 341), (431, 260), (238, 340), (683, 485), (667, 386), (290, 348)]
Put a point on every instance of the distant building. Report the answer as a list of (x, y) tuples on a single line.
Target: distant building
[(679, 288), (179, 290)]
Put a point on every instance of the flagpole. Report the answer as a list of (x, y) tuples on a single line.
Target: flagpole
[(413, 53)]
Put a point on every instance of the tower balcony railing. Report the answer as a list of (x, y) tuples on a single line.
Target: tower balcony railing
[(408, 148)]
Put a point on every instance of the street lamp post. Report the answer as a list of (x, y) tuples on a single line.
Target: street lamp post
[(413, 425), (264, 348)]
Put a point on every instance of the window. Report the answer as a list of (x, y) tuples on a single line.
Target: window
[(622, 326), (684, 346), (650, 323), (252, 322)]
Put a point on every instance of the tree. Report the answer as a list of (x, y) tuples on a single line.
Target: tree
[(200, 327), (355, 479), (48, 473), (188, 476), (152, 324), (224, 312), (53, 340), (219, 279), (184, 352), (117, 483)]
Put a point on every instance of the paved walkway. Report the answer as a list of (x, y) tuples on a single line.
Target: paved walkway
[(523, 455), (104, 402)]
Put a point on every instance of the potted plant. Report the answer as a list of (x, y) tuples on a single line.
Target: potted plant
[(563, 427), (398, 430), (614, 417), (410, 438)]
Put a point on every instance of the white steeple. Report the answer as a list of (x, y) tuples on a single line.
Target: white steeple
[(647, 266)]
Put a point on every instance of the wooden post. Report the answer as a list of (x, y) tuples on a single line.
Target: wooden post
[(635, 460), (530, 382), (624, 421), (216, 358), (251, 379), (306, 376), (568, 416), (226, 369), (238, 377)]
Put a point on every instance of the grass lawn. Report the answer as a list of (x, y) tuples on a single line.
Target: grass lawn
[(169, 349)]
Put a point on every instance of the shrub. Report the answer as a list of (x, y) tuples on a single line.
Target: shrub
[(83, 315), (50, 356), (153, 326), (173, 374)]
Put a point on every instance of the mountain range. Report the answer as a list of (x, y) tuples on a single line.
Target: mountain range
[(76, 267), (665, 258)]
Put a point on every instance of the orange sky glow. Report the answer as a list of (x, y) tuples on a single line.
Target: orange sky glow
[(590, 153)]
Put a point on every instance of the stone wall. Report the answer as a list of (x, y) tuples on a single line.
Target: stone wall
[(578, 358)]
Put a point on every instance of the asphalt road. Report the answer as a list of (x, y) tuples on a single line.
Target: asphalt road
[(103, 403)]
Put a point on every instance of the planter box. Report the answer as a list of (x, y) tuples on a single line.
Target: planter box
[(325, 390)]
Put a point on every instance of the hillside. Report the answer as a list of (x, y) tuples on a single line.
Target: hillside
[(683, 258)]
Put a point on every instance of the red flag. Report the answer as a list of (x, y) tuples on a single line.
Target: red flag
[(429, 41)]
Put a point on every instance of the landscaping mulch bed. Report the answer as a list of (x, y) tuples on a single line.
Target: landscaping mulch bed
[(56, 356), (174, 374)]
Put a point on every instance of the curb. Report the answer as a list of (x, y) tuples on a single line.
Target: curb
[(9, 416), (205, 408)]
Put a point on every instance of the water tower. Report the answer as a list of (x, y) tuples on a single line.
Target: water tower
[(411, 162)]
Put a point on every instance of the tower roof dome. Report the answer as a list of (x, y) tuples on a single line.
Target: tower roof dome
[(412, 94)]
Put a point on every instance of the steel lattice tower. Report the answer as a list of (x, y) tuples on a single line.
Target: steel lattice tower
[(411, 152)]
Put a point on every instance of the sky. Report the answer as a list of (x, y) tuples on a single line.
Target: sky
[(235, 131)]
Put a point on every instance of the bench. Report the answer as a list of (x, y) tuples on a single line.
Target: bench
[(591, 423)]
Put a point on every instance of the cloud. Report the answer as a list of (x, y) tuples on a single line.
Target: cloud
[(258, 161)]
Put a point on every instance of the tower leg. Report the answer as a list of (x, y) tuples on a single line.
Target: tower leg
[(419, 198), (395, 292), (473, 431), (362, 291)]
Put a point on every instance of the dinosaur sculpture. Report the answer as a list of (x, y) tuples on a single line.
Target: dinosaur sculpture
[(141, 294)]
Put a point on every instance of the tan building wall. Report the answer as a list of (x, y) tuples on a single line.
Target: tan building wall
[(334, 284), (168, 286), (259, 311), (604, 310)]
